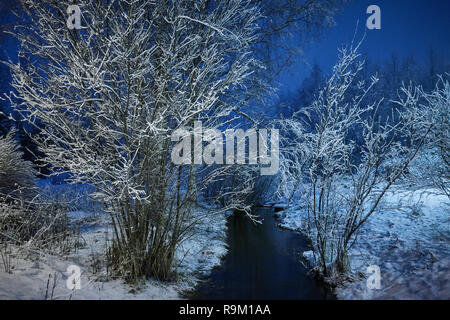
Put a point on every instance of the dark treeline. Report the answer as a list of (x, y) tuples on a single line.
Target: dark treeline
[(392, 73)]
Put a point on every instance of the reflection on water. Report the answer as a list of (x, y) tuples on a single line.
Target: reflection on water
[(263, 263)]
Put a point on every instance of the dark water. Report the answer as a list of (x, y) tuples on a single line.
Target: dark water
[(263, 263)]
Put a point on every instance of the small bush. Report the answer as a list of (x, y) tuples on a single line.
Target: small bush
[(17, 176), (38, 225), (25, 216)]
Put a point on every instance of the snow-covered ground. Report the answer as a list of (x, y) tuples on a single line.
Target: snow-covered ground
[(33, 275), (411, 247), (199, 254)]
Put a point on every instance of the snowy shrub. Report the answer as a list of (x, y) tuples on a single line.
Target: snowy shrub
[(17, 176), (107, 98), (341, 181), (35, 225), (25, 217), (432, 168)]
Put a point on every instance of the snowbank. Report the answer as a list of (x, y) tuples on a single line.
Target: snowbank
[(410, 245), (33, 275), (46, 276), (203, 251)]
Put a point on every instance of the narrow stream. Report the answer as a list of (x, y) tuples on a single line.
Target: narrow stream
[(263, 262)]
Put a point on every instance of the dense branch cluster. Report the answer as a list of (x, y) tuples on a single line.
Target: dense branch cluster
[(17, 176), (341, 180), (107, 97)]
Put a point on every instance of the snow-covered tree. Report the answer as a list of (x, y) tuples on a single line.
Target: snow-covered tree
[(108, 96), (432, 169), (17, 176), (341, 181)]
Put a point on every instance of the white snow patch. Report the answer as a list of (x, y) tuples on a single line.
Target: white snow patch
[(309, 257), (195, 258), (410, 245), (204, 250), (45, 276)]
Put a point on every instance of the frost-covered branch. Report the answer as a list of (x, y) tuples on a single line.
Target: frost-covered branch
[(342, 180), (106, 99)]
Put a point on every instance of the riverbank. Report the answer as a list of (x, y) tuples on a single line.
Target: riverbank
[(409, 240), (37, 275), (40, 276)]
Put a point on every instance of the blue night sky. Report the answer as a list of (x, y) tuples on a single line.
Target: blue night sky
[(407, 27)]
